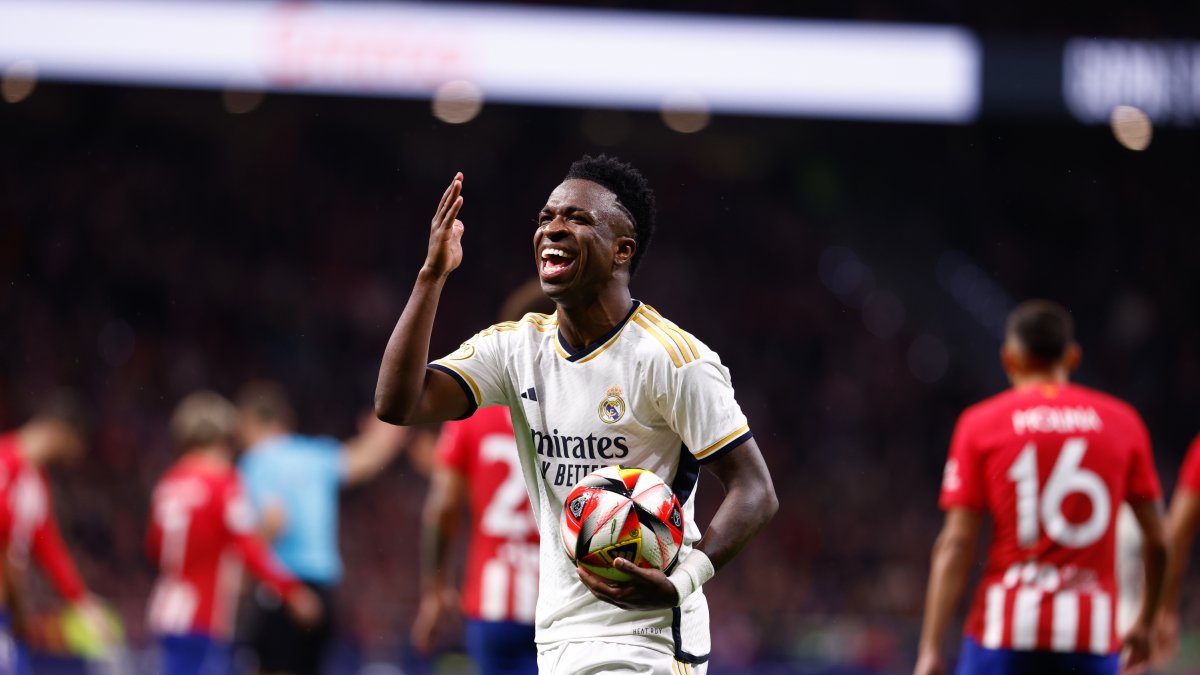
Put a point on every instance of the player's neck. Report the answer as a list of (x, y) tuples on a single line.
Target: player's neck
[(581, 325), (261, 433), (1039, 378), (213, 455)]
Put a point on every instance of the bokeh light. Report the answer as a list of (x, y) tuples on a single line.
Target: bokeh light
[(685, 112), (18, 81), (1132, 127), (457, 102)]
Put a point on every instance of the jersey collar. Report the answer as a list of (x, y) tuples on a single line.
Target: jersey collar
[(591, 351)]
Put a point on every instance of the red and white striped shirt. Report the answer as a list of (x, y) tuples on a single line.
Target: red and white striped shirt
[(1051, 465), (501, 578), (27, 525), (201, 532)]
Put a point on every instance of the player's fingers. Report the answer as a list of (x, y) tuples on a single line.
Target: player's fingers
[(446, 195), (440, 218), (598, 585), (452, 212), (629, 568)]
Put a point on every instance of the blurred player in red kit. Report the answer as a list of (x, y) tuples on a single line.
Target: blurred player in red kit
[(1182, 522), (27, 525), (1050, 463), (476, 460), (202, 529)]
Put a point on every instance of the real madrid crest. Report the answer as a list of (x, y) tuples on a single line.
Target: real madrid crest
[(466, 351), (612, 408)]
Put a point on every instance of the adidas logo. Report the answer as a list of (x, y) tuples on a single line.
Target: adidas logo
[(530, 394)]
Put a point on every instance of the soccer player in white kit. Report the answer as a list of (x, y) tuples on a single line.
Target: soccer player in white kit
[(604, 380)]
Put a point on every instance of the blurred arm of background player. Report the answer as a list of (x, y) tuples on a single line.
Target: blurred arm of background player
[(54, 437), (1182, 523), (1154, 561), (953, 555), (14, 599), (363, 457), (369, 453), (439, 526)]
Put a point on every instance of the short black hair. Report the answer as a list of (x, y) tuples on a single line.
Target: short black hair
[(1043, 328), (267, 401), (67, 407), (632, 190)]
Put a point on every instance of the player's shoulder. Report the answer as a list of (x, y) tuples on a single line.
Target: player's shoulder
[(1108, 405), (664, 342), (532, 324)]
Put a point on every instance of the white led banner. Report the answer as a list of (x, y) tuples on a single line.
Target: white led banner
[(1160, 78), (554, 56)]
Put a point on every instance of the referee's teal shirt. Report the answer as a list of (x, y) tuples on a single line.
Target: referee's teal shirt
[(303, 475)]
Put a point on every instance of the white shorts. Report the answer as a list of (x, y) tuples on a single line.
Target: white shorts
[(601, 658)]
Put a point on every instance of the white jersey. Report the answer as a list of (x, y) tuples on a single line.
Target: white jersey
[(648, 395)]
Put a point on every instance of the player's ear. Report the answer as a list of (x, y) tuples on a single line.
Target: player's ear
[(1073, 357), (626, 248), (1010, 359)]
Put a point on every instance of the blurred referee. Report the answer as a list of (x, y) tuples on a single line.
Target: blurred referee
[(293, 481)]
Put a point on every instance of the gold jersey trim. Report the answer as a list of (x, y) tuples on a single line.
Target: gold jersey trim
[(462, 373), (722, 443)]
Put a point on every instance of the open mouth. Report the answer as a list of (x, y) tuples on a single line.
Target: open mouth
[(555, 263)]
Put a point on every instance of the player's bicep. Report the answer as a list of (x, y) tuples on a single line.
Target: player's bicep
[(743, 468), (443, 397), (471, 377)]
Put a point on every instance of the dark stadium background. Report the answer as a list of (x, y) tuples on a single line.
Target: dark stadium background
[(852, 275)]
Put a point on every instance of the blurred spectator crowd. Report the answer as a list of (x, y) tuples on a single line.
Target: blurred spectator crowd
[(850, 275)]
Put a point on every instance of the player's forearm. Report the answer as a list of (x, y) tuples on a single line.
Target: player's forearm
[(747, 508), (436, 534), (51, 553), (1155, 560), (1181, 531), (402, 372), (951, 563), (1178, 557), (263, 566)]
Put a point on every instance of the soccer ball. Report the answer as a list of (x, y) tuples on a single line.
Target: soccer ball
[(622, 512)]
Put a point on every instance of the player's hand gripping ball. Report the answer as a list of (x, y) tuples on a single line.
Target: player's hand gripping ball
[(620, 512)]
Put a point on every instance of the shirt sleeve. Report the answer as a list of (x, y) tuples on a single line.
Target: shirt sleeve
[(479, 367), (701, 408), (35, 515), (453, 447), (962, 479), (239, 523), (1189, 474), (1143, 477)]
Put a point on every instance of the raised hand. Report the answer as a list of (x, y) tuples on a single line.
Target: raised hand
[(445, 235)]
